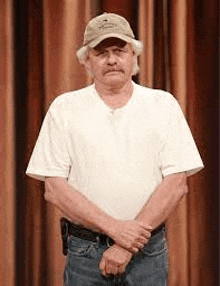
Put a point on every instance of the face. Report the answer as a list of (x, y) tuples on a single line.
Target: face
[(111, 62)]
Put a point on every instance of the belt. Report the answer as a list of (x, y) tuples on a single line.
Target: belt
[(87, 234), (84, 233)]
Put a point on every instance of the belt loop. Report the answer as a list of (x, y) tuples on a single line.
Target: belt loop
[(97, 241), (108, 241)]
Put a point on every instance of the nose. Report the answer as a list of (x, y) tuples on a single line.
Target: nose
[(111, 59)]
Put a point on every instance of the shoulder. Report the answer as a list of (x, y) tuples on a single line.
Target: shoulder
[(70, 102), (156, 97), (71, 98)]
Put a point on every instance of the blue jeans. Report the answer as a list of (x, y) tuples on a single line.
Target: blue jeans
[(147, 268)]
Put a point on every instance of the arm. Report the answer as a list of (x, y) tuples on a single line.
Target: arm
[(164, 199), (129, 234)]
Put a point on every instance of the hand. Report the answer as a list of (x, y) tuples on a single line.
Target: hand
[(114, 260), (131, 235)]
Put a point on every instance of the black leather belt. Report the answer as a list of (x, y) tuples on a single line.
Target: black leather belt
[(87, 234), (158, 229), (84, 233)]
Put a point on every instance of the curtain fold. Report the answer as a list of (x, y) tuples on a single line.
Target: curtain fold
[(203, 115), (39, 39), (7, 154), (177, 66), (164, 66), (54, 69)]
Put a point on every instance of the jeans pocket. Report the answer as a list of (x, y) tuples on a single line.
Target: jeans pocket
[(155, 247), (78, 247)]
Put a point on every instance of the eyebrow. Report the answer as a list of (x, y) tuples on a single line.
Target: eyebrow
[(102, 46), (113, 47)]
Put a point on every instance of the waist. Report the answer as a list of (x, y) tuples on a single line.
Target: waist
[(87, 234)]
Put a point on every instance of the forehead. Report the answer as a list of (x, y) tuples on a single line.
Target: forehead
[(110, 42)]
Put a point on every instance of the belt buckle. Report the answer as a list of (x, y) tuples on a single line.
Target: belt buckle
[(104, 240)]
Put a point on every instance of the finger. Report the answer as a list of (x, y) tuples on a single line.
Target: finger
[(139, 245), (111, 268), (144, 226), (134, 250), (121, 270), (143, 240), (104, 273), (102, 264), (145, 234), (102, 267)]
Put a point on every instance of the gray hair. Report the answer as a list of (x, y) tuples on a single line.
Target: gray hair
[(137, 46)]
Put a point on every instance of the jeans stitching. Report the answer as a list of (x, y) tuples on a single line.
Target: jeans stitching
[(81, 250)]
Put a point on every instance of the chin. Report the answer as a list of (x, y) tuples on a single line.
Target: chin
[(115, 79)]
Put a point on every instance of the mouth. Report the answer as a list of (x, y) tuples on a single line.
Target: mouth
[(114, 71)]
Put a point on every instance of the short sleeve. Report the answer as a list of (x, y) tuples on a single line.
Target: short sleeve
[(50, 156), (179, 152)]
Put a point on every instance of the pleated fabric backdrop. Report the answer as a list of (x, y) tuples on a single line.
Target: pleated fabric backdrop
[(39, 39)]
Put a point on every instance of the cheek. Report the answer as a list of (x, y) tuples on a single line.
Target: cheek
[(130, 65), (97, 70), (94, 67)]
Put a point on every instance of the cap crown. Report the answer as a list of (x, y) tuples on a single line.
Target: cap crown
[(107, 23)]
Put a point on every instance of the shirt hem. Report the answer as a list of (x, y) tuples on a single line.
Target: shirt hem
[(41, 176), (189, 171)]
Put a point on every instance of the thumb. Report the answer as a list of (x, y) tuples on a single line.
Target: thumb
[(102, 264)]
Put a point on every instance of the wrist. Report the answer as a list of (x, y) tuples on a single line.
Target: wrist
[(143, 222), (124, 250), (108, 226)]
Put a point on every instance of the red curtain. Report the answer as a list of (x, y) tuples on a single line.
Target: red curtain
[(7, 160), (38, 44)]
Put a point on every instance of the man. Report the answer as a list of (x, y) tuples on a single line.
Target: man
[(114, 157)]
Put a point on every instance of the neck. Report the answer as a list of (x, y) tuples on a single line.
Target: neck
[(115, 96), (123, 90)]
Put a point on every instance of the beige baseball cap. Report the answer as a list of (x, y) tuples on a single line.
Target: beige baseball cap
[(107, 25)]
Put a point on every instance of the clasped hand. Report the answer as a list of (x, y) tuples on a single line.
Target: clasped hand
[(129, 237), (114, 260), (131, 234)]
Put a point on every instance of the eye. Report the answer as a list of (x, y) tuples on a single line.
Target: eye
[(119, 51), (101, 53)]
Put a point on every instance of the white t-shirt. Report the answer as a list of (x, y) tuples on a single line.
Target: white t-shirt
[(115, 158)]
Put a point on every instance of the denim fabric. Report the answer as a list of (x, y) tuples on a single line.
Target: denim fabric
[(147, 268)]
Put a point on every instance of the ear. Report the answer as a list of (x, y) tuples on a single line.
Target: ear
[(87, 63), (135, 66)]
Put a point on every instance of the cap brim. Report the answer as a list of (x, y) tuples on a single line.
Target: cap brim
[(95, 42), (98, 40)]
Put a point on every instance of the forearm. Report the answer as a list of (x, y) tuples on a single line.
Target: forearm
[(164, 199), (128, 234), (76, 206)]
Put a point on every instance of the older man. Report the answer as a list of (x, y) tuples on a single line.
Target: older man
[(114, 157)]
